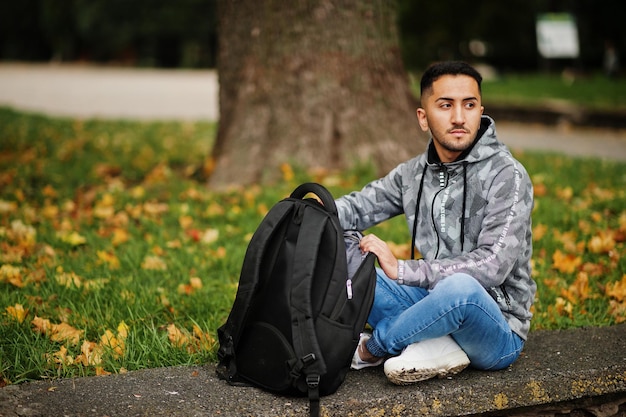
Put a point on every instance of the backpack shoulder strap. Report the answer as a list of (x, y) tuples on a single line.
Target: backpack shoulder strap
[(310, 359), (319, 190)]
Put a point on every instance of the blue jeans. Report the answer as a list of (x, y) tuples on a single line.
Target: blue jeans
[(458, 306)]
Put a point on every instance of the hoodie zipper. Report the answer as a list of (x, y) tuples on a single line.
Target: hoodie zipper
[(506, 296)]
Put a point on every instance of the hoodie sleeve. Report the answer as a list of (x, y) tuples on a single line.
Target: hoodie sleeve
[(503, 238), (376, 202)]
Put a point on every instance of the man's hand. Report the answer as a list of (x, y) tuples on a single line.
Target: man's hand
[(386, 259)]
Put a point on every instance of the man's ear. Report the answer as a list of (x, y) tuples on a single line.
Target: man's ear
[(421, 118)]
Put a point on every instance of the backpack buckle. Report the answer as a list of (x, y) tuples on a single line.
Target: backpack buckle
[(308, 359), (312, 381)]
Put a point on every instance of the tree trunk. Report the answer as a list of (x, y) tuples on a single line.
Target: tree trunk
[(312, 83)]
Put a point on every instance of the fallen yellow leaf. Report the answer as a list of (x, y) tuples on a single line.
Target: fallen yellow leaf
[(108, 258), (73, 238), (62, 332), (17, 312), (176, 337), (566, 263), (119, 236), (153, 263), (12, 275), (602, 242), (617, 290)]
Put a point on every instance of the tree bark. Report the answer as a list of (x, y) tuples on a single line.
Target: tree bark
[(312, 83)]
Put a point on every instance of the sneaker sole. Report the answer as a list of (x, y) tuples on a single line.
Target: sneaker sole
[(412, 375)]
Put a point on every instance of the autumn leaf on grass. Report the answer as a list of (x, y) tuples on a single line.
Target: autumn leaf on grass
[(617, 302), (11, 254), (91, 354), (617, 290), (565, 194), (287, 172), (204, 341), (207, 237), (11, 275), (176, 336), (185, 221), (72, 238), (579, 290), (564, 307), (100, 371), (568, 239), (68, 279), (113, 342), (7, 207), (22, 234), (539, 181), (195, 342), (109, 259), (49, 191), (154, 263), (618, 311), (210, 236), (119, 236), (194, 284), (565, 263), (49, 211), (600, 194), (60, 357), (214, 209), (159, 174), (219, 253), (104, 208), (154, 209), (17, 312), (539, 232), (62, 332), (602, 242)]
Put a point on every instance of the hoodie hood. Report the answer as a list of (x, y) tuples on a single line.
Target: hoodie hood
[(486, 138)]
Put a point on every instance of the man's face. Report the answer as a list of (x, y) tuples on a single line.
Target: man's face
[(452, 112)]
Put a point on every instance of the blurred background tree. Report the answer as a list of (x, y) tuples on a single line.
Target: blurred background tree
[(319, 84), (183, 33)]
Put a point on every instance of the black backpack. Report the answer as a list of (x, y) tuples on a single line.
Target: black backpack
[(297, 315)]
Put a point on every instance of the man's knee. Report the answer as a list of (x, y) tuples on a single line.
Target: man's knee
[(461, 284)]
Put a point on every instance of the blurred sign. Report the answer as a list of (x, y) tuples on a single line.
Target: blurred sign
[(557, 35)]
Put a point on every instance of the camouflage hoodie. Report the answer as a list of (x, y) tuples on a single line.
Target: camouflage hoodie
[(474, 217)]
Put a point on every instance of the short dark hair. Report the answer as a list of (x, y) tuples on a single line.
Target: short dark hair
[(440, 69)]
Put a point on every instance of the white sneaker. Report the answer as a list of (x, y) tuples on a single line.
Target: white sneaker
[(424, 360), (357, 362)]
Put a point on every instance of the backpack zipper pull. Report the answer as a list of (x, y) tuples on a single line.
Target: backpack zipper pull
[(349, 288)]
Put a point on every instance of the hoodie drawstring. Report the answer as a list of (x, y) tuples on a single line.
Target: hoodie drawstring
[(417, 210), (464, 202)]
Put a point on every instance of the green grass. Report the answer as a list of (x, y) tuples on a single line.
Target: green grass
[(583, 91), (103, 228), (579, 91)]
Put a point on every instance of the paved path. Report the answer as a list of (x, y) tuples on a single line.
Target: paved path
[(102, 92), (147, 94)]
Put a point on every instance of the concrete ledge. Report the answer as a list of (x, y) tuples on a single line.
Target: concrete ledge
[(560, 371)]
